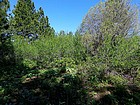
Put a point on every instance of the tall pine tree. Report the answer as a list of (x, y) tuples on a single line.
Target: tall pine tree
[(7, 57), (4, 6), (44, 26), (27, 20), (23, 16)]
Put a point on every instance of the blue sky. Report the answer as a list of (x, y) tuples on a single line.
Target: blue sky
[(65, 15)]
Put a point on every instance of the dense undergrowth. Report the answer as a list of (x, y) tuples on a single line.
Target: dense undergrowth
[(98, 65), (60, 70)]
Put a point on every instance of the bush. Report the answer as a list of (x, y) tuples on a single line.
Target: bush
[(47, 51), (29, 63), (117, 80)]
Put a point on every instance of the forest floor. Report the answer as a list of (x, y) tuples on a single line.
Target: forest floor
[(52, 87)]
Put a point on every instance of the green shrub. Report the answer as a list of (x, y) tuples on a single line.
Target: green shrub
[(137, 78), (117, 80), (29, 63), (47, 51)]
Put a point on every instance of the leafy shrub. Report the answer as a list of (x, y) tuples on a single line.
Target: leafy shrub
[(137, 78), (50, 51), (117, 80), (29, 63)]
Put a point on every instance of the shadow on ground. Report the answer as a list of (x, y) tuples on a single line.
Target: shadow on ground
[(19, 85), (118, 95), (53, 87), (43, 87)]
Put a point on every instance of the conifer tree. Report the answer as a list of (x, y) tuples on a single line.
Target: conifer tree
[(44, 26), (7, 57), (27, 20), (4, 5), (23, 16)]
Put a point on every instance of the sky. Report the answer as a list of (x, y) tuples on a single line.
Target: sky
[(65, 15)]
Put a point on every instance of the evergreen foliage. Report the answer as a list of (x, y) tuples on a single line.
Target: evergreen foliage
[(27, 20), (99, 67), (6, 48), (4, 6)]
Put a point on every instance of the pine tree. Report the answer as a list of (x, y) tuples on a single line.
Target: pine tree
[(4, 6), (27, 20), (44, 26), (24, 13), (7, 57)]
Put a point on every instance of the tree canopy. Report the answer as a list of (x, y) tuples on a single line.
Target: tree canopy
[(41, 67), (116, 17), (4, 6), (112, 17), (28, 20)]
